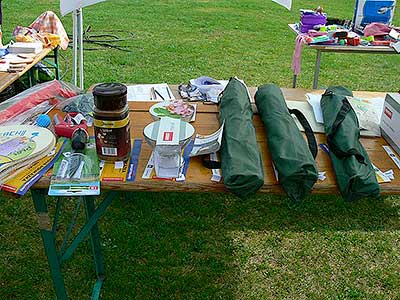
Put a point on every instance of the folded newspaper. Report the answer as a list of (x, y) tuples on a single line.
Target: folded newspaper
[(206, 144)]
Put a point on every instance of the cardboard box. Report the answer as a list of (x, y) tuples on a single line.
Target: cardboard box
[(390, 121)]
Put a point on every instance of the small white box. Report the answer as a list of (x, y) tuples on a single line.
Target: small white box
[(167, 153), (390, 121), (21, 47), (168, 132)]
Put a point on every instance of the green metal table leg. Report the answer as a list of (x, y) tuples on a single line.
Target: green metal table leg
[(39, 200), (31, 77), (317, 68), (96, 248), (88, 226)]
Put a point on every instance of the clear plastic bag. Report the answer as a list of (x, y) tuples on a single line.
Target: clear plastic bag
[(54, 92)]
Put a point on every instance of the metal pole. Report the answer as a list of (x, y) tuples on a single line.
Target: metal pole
[(74, 47), (317, 67), (81, 48), (294, 81)]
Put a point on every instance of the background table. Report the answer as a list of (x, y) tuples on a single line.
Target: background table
[(339, 49), (6, 78), (197, 180)]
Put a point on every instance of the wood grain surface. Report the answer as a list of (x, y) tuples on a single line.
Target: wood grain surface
[(198, 177)]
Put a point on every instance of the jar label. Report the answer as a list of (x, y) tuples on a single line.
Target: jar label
[(113, 142), (111, 124)]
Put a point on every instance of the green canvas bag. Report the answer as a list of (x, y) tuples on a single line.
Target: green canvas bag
[(293, 159), (354, 173), (240, 157)]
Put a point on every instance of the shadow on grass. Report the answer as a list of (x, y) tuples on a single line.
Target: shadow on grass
[(182, 246), (212, 246)]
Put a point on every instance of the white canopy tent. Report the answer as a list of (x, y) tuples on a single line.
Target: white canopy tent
[(75, 6)]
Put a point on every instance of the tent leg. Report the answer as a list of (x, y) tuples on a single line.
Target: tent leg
[(74, 48), (80, 37)]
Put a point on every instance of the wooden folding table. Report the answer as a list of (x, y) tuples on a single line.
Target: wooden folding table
[(6, 78), (197, 180), (338, 49)]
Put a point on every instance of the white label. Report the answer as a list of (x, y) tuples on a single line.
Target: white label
[(79, 118), (393, 156), (396, 46), (109, 151), (118, 165), (168, 132), (62, 171), (149, 167), (216, 173)]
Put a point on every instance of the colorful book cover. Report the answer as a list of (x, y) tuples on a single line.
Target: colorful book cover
[(21, 183), (20, 146), (21, 142)]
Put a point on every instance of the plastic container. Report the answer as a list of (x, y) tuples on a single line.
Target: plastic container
[(111, 121)]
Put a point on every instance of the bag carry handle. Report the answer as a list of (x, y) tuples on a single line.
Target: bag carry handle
[(312, 143), (211, 164), (344, 110)]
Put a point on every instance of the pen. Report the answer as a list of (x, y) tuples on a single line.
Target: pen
[(159, 94), (152, 94), (169, 94)]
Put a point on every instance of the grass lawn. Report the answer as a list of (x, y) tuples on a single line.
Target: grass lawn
[(214, 246)]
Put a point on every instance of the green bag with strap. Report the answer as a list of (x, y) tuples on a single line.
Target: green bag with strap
[(354, 173), (240, 157), (294, 161)]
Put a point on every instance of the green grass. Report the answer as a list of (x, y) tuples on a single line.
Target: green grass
[(214, 246), (178, 40)]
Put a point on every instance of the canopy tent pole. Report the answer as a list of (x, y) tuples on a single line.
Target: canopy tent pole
[(1, 13), (77, 48), (80, 37), (74, 48), (75, 7), (1, 23)]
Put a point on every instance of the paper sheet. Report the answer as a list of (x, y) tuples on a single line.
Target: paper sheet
[(315, 102), (285, 3), (142, 92), (307, 111), (305, 108), (369, 113)]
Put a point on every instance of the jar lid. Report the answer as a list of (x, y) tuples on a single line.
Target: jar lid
[(110, 90), (110, 96)]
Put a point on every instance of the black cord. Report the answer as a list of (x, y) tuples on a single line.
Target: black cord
[(105, 41)]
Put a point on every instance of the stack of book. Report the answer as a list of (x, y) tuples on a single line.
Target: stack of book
[(21, 146)]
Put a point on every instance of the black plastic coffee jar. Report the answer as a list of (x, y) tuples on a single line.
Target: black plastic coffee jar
[(111, 121)]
